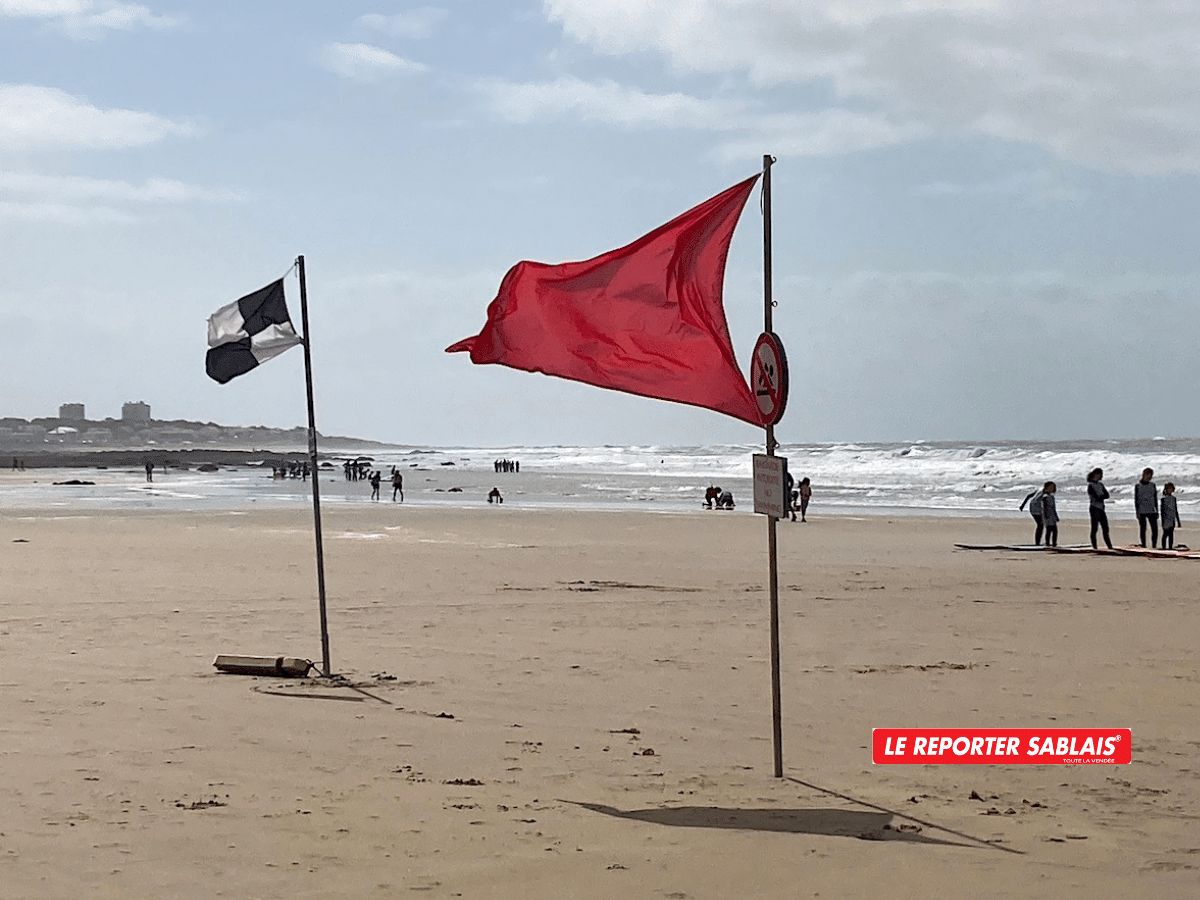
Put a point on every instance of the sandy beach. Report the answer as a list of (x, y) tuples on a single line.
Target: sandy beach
[(549, 704)]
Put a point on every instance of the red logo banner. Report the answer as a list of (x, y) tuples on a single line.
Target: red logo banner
[(1001, 746)]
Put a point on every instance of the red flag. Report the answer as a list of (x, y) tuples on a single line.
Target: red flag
[(646, 319)]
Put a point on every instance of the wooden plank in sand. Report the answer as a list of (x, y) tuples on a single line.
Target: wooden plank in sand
[(278, 666)]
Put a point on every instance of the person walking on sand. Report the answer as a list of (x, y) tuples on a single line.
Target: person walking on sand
[(1034, 499), (376, 478), (1097, 494), (1050, 513), (805, 496), (1145, 504), (1170, 516), (790, 493), (397, 485)]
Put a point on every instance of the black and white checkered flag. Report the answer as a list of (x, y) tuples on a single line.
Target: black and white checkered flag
[(248, 332)]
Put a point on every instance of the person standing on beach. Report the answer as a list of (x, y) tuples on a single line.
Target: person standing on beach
[(1097, 494), (1034, 499), (397, 485), (1049, 513), (376, 478), (1145, 504), (789, 491), (1170, 516), (805, 496), (149, 470)]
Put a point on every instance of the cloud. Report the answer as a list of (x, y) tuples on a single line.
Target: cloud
[(73, 188), (1038, 185), (823, 133), (80, 200), (88, 18), (366, 62), (417, 23), (1103, 83), (39, 118), (63, 213), (605, 101)]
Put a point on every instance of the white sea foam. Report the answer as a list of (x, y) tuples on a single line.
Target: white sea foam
[(854, 477)]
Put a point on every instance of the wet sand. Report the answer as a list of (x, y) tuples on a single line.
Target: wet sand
[(553, 704)]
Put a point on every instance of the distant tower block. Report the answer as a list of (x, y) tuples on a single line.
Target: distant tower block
[(72, 412), (135, 411)]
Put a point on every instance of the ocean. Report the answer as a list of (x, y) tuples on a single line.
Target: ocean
[(923, 478)]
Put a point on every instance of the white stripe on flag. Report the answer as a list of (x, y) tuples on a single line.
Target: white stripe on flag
[(226, 325), (272, 341)]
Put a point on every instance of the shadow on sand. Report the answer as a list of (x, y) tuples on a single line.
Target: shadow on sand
[(866, 826), (975, 841)]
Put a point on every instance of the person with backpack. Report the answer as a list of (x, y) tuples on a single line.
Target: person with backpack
[(1034, 499)]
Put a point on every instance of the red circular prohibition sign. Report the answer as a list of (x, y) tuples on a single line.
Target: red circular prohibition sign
[(769, 377)]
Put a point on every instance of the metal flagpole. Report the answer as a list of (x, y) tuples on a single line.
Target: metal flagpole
[(316, 472), (773, 562)]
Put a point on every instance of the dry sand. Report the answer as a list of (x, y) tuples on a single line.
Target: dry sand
[(130, 769)]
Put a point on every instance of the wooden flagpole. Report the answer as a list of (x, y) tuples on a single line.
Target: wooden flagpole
[(772, 553), (326, 668)]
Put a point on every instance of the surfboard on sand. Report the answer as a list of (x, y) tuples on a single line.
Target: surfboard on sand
[(1022, 547), (1134, 550), (1152, 553)]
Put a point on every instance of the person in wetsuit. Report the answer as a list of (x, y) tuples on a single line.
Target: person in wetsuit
[(1097, 494), (1145, 505)]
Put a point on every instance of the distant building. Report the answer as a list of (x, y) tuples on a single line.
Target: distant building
[(135, 411), (72, 412)]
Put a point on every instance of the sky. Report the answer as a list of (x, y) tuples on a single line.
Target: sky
[(985, 211)]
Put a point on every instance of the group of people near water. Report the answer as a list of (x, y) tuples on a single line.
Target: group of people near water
[(508, 466), (18, 465), (1149, 508), (375, 479), (715, 495), (357, 469), (798, 496), (291, 469)]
